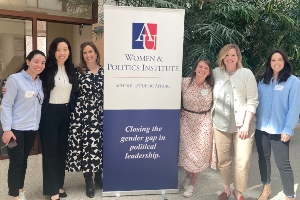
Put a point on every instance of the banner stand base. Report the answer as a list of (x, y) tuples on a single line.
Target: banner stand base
[(139, 192)]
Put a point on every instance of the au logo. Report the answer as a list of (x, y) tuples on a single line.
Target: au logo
[(144, 36)]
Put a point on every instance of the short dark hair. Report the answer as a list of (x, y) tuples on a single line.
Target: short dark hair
[(284, 74)]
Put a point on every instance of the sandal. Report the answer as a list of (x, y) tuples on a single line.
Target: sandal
[(240, 198), (223, 196)]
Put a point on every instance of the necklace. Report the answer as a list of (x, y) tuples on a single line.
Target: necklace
[(62, 74)]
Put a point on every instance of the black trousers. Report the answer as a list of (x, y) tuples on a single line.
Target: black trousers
[(264, 143), (18, 160), (54, 129)]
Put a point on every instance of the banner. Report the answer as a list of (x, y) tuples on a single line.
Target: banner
[(142, 87)]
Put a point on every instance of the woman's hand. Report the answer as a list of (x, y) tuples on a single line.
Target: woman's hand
[(7, 135), (181, 113), (285, 137), (243, 132)]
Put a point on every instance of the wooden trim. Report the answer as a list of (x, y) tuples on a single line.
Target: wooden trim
[(34, 33), (95, 12), (3, 157), (51, 18)]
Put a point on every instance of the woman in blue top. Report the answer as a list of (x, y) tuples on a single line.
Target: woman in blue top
[(276, 117), (20, 118)]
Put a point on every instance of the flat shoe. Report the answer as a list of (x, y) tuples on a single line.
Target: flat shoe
[(223, 196), (55, 199), (240, 198), (63, 195)]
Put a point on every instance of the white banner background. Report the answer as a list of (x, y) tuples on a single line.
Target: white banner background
[(141, 108), (118, 44)]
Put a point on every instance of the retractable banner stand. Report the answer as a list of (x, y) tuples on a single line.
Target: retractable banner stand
[(142, 86)]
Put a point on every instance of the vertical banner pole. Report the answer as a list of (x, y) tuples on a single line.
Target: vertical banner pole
[(142, 87)]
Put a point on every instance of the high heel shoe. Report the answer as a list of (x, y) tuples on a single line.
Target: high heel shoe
[(63, 195)]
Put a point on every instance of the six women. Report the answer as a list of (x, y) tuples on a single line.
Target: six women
[(222, 101)]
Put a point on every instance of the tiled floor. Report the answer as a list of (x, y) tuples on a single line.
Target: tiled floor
[(209, 185)]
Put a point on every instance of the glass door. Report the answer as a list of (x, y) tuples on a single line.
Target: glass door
[(13, 49)]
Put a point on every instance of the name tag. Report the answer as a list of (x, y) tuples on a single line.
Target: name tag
[(204, 92), (29, 94), (278, 87)]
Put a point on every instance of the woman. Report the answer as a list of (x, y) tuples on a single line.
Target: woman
[(277, 116), (86, 127), (59, 83), (20, 118), (235, 102), (196, 134)]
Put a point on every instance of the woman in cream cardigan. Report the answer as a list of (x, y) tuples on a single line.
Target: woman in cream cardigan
[(234, 105)]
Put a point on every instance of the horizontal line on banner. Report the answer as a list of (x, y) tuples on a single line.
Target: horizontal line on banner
[(142, 109), (135, 77), (139, 192)]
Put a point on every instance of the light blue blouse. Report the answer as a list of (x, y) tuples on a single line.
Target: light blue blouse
[(21, 104), (279, 106)]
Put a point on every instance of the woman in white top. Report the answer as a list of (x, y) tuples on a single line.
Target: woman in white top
[(234, 105), (59, 84)]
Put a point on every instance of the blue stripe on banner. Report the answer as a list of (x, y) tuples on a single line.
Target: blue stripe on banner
[(140, 149)]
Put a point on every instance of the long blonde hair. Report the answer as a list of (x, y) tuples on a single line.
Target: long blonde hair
[(223, 53)]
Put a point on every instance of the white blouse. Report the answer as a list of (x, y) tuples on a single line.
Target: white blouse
[(245, 92), (62, 89)]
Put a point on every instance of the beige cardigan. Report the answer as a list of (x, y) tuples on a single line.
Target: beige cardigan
[(244, 91)]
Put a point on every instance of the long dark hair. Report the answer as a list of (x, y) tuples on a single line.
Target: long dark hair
[(51, 68), (284, 74), (209, 79), (82, 66), (24, 66)]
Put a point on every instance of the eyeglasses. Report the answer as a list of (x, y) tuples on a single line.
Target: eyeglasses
[(38, 96)]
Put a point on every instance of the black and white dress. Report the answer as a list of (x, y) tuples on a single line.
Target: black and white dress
[(86, 125)]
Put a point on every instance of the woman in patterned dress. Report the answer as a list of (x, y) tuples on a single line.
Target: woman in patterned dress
[(196, 134), (86, 126)]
